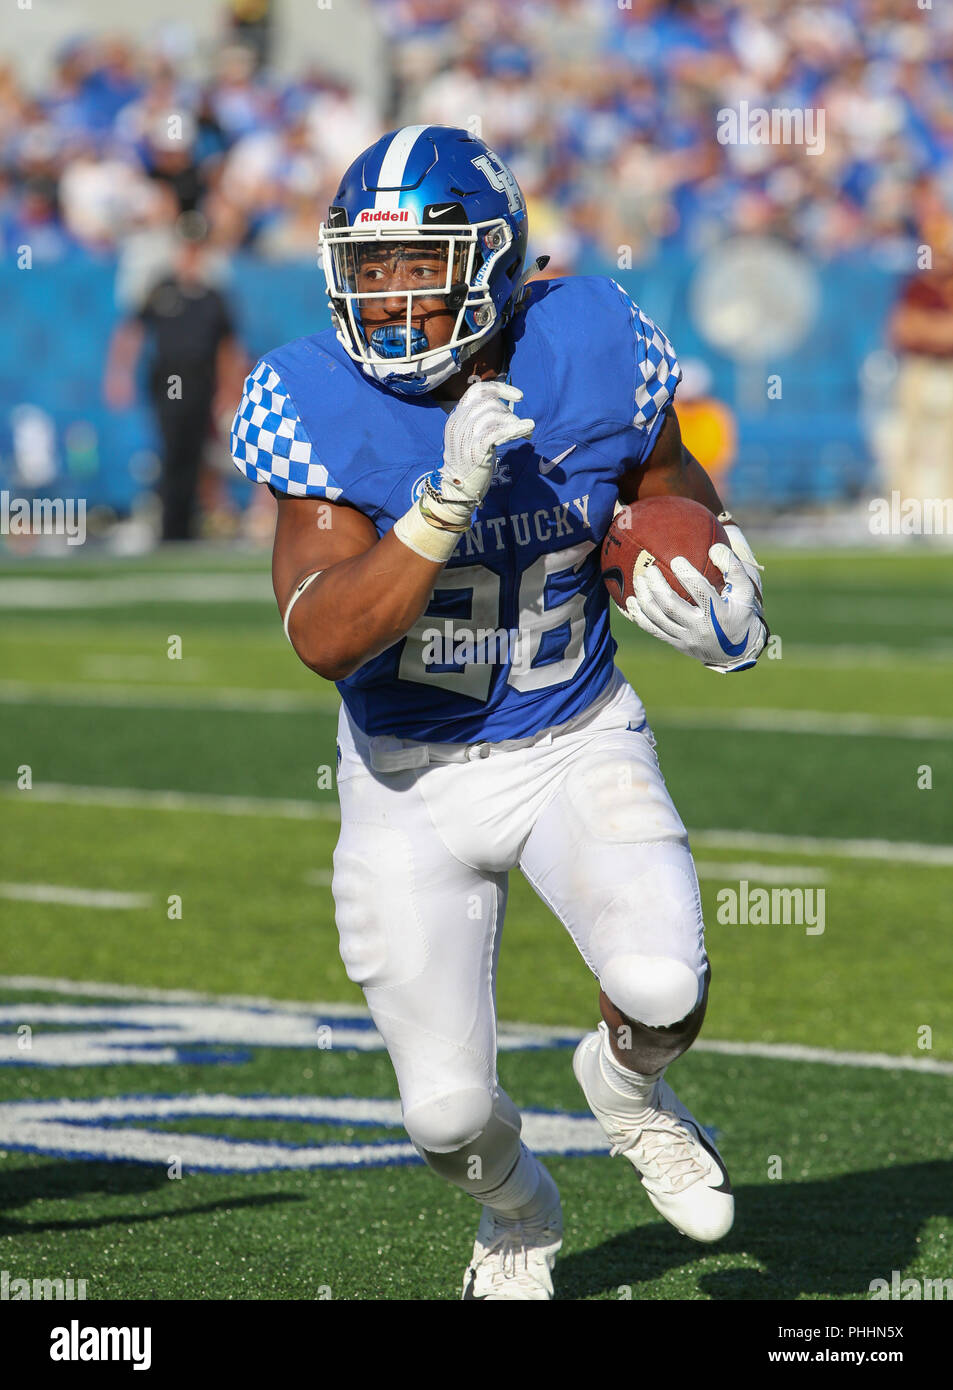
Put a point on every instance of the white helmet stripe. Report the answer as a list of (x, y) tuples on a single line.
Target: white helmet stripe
[(393, 165)]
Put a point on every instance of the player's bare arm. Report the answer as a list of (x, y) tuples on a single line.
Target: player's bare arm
[(368, 594), (670, 471)]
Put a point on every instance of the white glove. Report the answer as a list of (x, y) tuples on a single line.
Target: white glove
[(725, 631), (480, 423), (743, 550)]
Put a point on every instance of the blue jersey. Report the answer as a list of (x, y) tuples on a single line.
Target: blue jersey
[(516, 635)]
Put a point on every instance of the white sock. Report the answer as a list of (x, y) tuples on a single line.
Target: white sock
[(631, 1084), (523, 1194)]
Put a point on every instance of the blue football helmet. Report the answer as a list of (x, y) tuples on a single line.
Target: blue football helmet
[(429, 211)]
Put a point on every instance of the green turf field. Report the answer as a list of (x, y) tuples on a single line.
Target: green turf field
[(204, 782)]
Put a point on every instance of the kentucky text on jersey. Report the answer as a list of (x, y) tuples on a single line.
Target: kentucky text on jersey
[(596, 376), (542, 524)]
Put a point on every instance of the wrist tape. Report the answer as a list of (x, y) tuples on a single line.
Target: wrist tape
[(435, 539)]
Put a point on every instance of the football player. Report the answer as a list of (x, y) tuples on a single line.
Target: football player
[(447, 460)]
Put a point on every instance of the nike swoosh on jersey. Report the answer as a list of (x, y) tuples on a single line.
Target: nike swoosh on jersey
[(547, 465), (729, 648)]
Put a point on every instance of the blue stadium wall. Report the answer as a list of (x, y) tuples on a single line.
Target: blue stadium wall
[(807, 446)]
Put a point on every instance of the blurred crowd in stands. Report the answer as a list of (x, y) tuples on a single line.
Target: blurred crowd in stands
[(606, 109)]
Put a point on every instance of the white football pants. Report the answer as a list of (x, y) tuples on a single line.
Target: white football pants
[(420, 881)]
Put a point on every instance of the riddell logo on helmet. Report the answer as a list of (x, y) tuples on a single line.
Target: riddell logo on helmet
[(398, 215)]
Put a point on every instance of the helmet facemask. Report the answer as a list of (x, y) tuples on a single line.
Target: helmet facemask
[(365, 266)]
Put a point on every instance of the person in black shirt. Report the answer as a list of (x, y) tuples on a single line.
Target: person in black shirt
[(194, 358)]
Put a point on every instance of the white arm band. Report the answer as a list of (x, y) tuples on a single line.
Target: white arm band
[(308, 579)]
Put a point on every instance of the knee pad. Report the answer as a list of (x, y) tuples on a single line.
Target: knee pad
[(480, 1163), (449, 1122), (655, 990)]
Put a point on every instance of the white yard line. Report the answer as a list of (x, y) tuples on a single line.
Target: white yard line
[(760, 873), (754, 720), (826, 1056), (782, 1052), (138, 799), (72, 897), (135, 798), (126, 696), (842, 654), (897, 851), (135, 589), (808, 721), (96, 989)]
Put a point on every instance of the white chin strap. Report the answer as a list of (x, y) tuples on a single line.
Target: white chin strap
[(424, 376), (420, 377)]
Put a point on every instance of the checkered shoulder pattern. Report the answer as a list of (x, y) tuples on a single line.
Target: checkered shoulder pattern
[(271, 445), (657, 372)]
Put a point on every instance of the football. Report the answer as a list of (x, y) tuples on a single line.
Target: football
[(653, 532)]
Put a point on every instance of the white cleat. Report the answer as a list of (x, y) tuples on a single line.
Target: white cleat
[(680, 1167), (514, 1259)]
